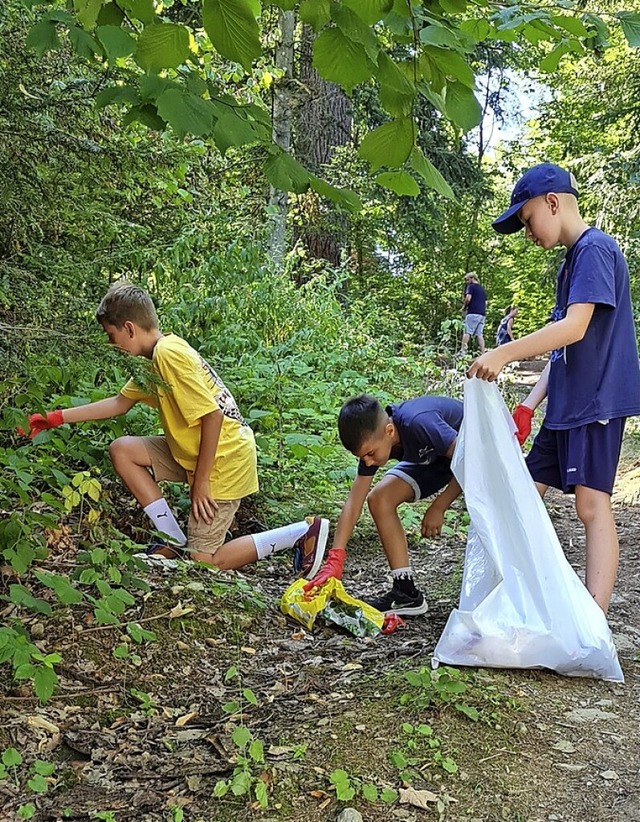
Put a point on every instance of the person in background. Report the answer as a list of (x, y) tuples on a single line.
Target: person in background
[(504, 333), (475, 307)]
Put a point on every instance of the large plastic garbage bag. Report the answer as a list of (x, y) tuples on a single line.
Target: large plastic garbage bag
[(334, 604), (521, 604)]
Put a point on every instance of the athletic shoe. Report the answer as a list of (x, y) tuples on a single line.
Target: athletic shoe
[(308, 551), (397, 602)]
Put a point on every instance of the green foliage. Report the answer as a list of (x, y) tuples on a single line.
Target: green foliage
[(421, 746), (347, 786)]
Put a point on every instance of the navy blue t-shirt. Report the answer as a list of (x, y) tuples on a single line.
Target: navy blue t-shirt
[(597, 378), (478, 302), (426, 426)]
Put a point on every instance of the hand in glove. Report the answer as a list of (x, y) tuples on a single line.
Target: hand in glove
[(39, 423), (522, 416), (332, 568)]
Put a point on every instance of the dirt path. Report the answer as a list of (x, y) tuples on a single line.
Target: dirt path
[(147, 736)]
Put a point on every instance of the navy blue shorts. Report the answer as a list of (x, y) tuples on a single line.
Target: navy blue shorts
[(587, 456), (424, 479)]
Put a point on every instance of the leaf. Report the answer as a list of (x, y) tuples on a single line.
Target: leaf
[(43, 37), (397, 92), (420, 799), (370, 10), (260, 789), (87, 11), (389, 144), (315, 13), (572, 24), (233, 130), (38, 784), (370, 792), (233, 30), (241, 736), (401, 182), (452, 64), (186, 113), (248, 694), (19, 595), (142, 10), (256, 750), (461, 106), (341, 60), (11, 758), (630, 23), (44, 683), (388, 795), (430, 175), (60, 585), (437, 35), (286, 174), (162, 45), (550, 62), (340, 196), (27, 811), (355, 29), (43, 768), (83, 43)]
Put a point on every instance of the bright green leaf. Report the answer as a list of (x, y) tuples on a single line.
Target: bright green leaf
[(27, 811), (573, 25), (315, 13), (43, 37), (461, 106), (451, 64), (162, 45), (233, 130), (43, 768), (341, 60), (397, 92), (430, 173), (389, 144), (11, 758), (142, 10), (116, 42), (232, 29), (241, 736), (355, 29), (437, 35), (88, 11), (370, 792), (286, 174), (340, 196), (262, 796), (401, 182), (38, 784), (44, 683), (186, 113), (550, 62), (370, 10)]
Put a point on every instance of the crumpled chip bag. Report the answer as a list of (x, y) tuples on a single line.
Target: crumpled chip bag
[(334, 604)]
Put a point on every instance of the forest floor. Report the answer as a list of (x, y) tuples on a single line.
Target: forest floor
[(146, 736)]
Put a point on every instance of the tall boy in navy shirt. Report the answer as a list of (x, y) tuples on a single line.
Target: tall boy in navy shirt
[(592, 379), (422, 434)]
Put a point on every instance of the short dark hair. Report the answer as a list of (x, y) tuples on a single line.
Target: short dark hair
[(359, 418), (125, 302)]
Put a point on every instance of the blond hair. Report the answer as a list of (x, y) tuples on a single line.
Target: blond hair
[(127, 302)]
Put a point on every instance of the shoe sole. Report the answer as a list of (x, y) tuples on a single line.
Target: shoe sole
[(323, 535), (409, 610)]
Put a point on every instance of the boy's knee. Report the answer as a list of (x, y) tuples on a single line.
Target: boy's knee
[(121, 450), (591, 508), (378, 502)]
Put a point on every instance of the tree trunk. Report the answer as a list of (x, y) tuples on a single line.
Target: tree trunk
[(282, 124)]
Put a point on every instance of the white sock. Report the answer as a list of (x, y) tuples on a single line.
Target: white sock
[(160, 515), (402, 573), (279, 539)]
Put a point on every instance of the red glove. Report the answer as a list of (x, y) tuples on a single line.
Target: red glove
[(522, 416), (38, 423), (332, 567)]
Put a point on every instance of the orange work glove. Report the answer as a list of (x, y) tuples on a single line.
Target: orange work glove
[(332, 567), (39, 423), (522, 416)]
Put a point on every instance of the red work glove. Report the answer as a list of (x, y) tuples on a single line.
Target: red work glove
[(39, 423), (522, 416), (332, 567)]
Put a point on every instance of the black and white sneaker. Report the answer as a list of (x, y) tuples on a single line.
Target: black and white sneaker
[(397, 602)]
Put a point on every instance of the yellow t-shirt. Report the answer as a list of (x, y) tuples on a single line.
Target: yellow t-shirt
[(189, 389)]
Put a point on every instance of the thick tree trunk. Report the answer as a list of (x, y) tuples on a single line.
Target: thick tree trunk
[(323, 122)]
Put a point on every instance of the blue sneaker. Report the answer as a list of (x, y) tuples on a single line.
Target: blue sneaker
[(308, 551)]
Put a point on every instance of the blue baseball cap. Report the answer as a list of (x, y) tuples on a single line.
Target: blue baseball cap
[(546, 178)]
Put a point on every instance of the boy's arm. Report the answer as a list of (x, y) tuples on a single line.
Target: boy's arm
[(539, 390), (100, 410), (567, 331), (433, 519), (202, 503), (349, 515)]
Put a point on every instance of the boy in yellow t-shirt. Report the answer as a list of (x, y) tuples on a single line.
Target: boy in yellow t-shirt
[(206, 443)]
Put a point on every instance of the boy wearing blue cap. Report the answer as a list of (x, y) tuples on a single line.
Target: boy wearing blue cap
[(592, 379)]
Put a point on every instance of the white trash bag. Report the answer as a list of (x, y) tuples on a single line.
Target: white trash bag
[(521, 604)]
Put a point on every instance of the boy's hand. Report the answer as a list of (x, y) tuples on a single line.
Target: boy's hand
[(39, 423), (332, 567), (488, 366), (522, 416), (203, 505), (432, 521)]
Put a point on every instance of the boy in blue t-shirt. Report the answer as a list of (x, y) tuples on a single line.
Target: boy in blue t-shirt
[(422, 434), (592, 379)]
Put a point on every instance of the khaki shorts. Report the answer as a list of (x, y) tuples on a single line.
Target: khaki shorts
[(203, 538)]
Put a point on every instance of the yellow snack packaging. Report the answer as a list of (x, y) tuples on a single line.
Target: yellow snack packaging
[(334, 604)]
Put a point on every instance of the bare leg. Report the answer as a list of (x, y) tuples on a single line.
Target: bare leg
[(465, 342), (594, 510), (481, 345), (383, 503), (132, 463), (232, 555)]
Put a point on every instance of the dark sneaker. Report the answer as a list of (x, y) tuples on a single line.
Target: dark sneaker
[(397, 602), (308, 551)]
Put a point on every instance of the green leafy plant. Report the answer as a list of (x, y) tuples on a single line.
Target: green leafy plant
[(421, 749), (347, 786)]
